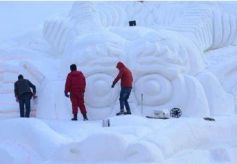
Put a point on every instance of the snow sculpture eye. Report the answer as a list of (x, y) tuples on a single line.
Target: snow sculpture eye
[(98, 91), (156, 89)]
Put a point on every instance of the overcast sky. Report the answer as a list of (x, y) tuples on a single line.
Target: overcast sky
[(20, 17)]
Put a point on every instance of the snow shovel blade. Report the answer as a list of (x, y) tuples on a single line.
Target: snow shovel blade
[(152, 117)]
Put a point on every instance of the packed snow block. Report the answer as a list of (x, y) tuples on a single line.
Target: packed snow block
[(59, 33), (5, 157), (29, 132), (220, 102), (99, 147), (33, 71), (52, 103)]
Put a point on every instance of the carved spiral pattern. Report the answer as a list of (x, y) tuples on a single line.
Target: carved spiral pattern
[(155, 88), (98, 91)]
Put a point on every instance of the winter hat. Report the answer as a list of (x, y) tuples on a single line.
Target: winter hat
[(20, 77), (73, 67)]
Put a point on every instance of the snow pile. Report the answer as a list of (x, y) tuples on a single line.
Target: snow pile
[(28, 139), (130, 139), (5, 157), (106, 147)]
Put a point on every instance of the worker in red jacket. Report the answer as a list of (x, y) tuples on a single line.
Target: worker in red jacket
[(75, 85), (126, 86)]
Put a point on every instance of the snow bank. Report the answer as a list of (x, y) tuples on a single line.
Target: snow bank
[(6, 157), (107, 147), (132, 139), (33, 136)]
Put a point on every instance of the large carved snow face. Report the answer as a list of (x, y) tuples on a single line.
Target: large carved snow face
[(157, 61), (96, 56), (163, 67)]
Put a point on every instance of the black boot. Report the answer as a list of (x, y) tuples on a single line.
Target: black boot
[(120, 113), (84, 116), (128, 112), (74, 117)]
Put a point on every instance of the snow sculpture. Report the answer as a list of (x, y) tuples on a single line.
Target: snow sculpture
[(166, 52), (9, 73), (203, 23), (60, 31)]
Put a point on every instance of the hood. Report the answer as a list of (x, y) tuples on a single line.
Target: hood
[(75, 73), (120, 65)]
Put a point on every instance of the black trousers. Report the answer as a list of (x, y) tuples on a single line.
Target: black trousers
[(24, 103), (124, 95)]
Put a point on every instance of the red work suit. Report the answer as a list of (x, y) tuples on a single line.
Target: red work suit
[(125, 75), (76, 84)]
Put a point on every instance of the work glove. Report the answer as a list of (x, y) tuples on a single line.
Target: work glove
[(34, 96), (112, 86), (66, 94)]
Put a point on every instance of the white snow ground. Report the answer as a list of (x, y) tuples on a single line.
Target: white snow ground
[(52, 138), (130, 139)]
